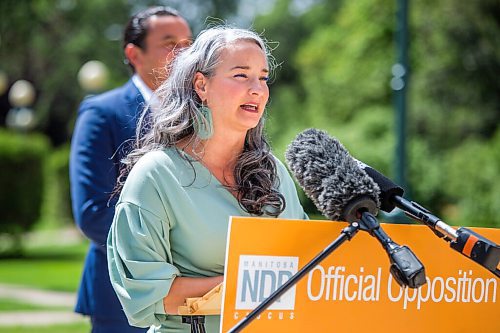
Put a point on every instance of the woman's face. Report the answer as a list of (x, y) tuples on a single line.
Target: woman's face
[(237, 93)]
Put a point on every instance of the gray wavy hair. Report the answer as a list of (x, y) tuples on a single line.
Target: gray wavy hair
[(255, 172)]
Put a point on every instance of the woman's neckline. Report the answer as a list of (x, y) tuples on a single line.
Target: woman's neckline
[(199, 163)]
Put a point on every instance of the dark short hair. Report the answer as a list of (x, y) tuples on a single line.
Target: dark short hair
[(136, 29)]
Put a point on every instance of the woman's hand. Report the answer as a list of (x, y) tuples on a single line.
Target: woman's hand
[(187, 287)]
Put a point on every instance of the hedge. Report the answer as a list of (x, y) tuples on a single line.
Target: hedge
[(22, 160), (57, 202)]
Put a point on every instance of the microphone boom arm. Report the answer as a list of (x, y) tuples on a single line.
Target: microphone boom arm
[(469, 243)]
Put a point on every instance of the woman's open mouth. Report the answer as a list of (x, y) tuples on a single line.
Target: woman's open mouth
[(250, 107)]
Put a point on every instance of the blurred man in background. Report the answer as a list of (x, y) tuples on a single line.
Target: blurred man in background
[(102, 134)]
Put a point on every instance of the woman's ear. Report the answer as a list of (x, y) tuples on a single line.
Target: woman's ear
[(199, 83)]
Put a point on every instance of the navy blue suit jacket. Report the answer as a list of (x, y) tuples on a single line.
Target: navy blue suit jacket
[(103, 135)]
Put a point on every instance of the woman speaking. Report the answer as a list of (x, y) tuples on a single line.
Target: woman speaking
[(204, 158)]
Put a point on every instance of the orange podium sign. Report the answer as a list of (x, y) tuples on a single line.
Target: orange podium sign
[(352, 290)]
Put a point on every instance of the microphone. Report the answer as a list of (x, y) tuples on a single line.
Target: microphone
[(391, 196), (330, 178), (465, 241), (342, 190), (313, 156), (388, 189)]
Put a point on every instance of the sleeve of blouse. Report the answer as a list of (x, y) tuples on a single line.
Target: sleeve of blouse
[(140, 263)]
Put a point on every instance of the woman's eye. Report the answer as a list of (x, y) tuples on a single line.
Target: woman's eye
[(240, 75), (265, 78)]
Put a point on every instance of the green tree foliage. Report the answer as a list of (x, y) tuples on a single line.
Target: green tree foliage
[(455, 108), (345, 65), (337, 78), (288, 30), (473, 183), (456, 56), (336, 58), (47, 41)]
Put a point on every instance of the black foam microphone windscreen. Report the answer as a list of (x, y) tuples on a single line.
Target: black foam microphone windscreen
[(330, 176), (388, 189)]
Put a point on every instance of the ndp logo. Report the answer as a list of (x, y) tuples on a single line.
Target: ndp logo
[(260, 276)]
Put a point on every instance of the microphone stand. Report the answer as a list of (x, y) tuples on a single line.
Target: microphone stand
[(405, 267), (469, 243), (196, 323)]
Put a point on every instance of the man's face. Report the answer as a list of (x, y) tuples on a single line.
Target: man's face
[(166, 35)]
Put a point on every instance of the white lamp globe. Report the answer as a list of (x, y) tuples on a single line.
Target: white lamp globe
[(93, 75), (21, 94)]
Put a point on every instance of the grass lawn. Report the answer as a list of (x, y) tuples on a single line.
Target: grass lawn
[(52, 267), (7, 304), (49, 267), (69, 328)]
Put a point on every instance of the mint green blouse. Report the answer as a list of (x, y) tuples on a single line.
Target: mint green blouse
[(170, 223)]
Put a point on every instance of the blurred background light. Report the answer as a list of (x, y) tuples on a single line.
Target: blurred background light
[(21, 94), (93, 76), (114, 32), (22, 119)]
